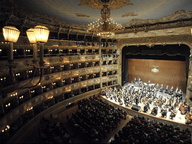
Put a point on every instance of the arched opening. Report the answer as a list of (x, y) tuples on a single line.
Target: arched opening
[(160, 64)]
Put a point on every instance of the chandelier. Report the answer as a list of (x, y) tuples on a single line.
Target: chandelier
[(105, 26)]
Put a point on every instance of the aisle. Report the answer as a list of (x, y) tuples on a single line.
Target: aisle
[(65, 115), (115, 131)]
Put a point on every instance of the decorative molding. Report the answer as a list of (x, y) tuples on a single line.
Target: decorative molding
[(18, 16), (153, 33), (178, 15), (81, 15), (128, 14), (112, 4), (21, 18), (184, 39)]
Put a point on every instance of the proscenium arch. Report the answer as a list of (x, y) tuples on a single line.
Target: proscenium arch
[(180, 40), (157, 52)]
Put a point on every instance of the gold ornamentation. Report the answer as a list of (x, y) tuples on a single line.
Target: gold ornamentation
[(81, 15), (129, 14), (185, 39), (105, 26), (112, 4), (178, 15)]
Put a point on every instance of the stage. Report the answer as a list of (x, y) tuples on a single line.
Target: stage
[(131, 90)]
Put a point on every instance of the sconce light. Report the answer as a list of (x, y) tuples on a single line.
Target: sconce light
[(32, 40), (11, 35), (39, 34)]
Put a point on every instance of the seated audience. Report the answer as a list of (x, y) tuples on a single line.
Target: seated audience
[(52, 131), (140, 130), (95, 119)]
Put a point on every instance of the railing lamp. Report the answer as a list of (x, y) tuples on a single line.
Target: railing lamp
[(11, 35), (32, 39), (41, 34)]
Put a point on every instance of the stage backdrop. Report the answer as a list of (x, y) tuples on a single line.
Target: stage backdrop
[(167, 72)]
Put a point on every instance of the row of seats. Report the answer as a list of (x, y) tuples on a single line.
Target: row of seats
[(53, 131), (95, 119), (7, 133), (141, 130)]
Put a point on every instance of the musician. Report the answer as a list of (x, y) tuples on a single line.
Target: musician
[(157, 86), (120, 101), (115, 89), (184, 108), (164, 112), (188, 118), (154, 111), (177, 102), (135, 80), (136, 100), (173, 114), (171, 91), (171, 108), (171, 100), (167, 89), (146, 107), (179, 94), (139, 79), (161, 88)]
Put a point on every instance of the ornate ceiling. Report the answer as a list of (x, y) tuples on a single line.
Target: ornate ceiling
[(123, 11), (112, 4), (79, 13)]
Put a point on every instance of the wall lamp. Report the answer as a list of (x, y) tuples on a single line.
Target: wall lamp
[(11, 35), (37, 36)]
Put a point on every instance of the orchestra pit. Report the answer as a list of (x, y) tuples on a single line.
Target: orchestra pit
[(96, 71)]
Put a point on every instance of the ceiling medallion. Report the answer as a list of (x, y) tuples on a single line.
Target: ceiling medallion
[(112, 4)]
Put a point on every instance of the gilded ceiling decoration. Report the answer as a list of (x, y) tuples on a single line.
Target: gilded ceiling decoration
[(112, 4), (75, 18), (81, 15), (178, 15), (128, 14)]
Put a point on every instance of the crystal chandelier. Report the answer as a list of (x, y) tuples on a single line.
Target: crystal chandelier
[(105, 26)]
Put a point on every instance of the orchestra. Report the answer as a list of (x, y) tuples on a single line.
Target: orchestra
[(153, 99)]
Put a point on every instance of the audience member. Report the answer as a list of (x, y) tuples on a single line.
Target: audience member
[(141, 130), (95, 119)]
